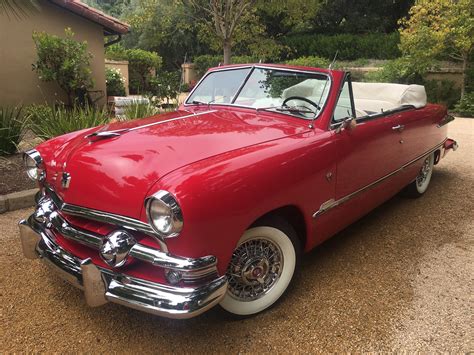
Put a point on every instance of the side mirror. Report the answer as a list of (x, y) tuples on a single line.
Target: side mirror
[(349, 123)]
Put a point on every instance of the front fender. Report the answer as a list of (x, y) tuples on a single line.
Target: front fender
[(222, 196)]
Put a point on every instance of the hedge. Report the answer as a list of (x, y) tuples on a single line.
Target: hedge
[(348, 46), (204, 62), (141, 65), (311, 61)]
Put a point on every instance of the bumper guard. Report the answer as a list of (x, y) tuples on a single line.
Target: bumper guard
[(102, 285)]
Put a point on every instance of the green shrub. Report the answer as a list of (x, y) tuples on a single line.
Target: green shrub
[(139, 110), (348, 46), (64, 61), (310, 61), (442, 92), (114, 82), (141, 65), (165, 85), (204, 62), (48, 122), (470, 76), (185, 87), (396, 71), (12, 128), (116, 52), (465, 106)]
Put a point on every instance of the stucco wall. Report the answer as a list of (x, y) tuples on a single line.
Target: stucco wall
[(121, 65), (18, 83), (189, 73)]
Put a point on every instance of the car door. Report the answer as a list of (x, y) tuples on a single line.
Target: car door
[(366, 152)]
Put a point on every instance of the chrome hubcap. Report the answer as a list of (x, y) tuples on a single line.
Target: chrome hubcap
[(255, 268), (424, 172)]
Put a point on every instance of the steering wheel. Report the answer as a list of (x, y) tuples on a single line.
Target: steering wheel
[(312, 103)]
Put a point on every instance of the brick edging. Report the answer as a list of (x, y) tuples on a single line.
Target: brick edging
[(17, 200)]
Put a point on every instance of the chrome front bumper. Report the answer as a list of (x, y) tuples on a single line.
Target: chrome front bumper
[(102, 285)]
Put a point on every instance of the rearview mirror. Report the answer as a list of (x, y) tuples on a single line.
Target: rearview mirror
[(349, 123)]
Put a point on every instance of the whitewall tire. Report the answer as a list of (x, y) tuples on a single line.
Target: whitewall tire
[(262, 267), (418, 187)]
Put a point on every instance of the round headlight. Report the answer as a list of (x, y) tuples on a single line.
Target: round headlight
[(164, 214), (31, 168), (33, 161)]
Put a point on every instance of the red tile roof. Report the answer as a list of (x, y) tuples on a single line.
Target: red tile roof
[(111, 24)]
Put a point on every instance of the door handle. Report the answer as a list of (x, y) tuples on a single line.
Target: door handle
[(398, 128)]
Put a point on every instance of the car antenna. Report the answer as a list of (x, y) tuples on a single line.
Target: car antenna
[(181, 81), (333, 61)]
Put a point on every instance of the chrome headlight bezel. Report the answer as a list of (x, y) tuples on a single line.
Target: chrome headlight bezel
[(166, 201), (34, 165)]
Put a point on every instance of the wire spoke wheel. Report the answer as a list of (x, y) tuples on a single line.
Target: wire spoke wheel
[(424, 177), (255, 267), (424, 172), (261, 268), (419, 186)]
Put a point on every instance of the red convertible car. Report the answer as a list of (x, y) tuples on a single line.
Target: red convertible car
[(215, 203)]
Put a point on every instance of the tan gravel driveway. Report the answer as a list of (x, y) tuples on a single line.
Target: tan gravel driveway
[(399, 279)]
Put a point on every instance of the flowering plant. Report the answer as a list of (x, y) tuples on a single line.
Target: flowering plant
[(115, 82)]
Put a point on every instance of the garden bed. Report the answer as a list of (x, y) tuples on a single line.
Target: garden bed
[(13, 177)]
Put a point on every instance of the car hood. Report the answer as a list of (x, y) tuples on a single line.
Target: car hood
[(115, 173)]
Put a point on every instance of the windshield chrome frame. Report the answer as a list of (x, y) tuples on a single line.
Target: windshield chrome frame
[(252, 68)]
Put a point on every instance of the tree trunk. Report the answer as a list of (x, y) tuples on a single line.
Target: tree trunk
[(464, 68), (227, 51)]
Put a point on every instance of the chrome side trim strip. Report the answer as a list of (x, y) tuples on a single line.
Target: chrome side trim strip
[(326, 206)]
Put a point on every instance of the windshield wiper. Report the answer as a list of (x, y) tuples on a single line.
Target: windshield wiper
[(196, 102), (287, 109)]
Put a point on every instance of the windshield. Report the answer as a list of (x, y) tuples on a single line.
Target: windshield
[(301, 94)]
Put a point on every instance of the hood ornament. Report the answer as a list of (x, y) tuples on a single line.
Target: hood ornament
[(65, 180), (101, 135)]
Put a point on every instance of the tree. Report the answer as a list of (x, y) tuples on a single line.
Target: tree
[(226, 17), (436, 29), (64, 61), (361, 16), (141, 65), (166, 27), (114, 8)]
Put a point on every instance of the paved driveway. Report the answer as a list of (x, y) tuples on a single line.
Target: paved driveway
[(399, 279)]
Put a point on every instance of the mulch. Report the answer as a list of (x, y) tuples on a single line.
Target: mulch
[(13, 177)]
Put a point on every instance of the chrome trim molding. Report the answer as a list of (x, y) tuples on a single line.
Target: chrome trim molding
[(38, 161), (35, 155), (326, 206), (169, 200), (104, 217), (446, 119), (256, 66), (47, 217), (102, 285), (114, 133)]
